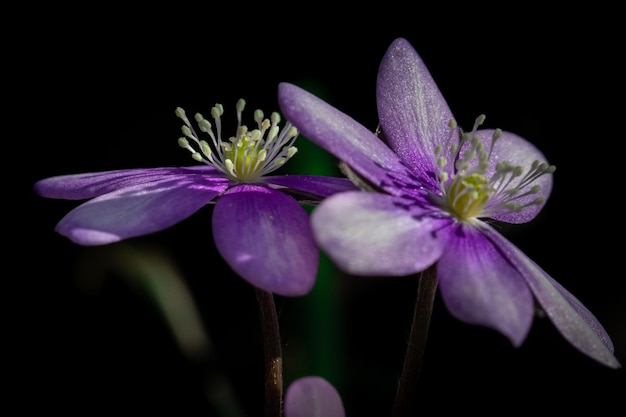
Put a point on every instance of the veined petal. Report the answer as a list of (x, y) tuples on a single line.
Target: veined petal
[(368, 233), (338, 133), (139, 209), (480, 286), (83, 186), (319, 186), (518, 152), (265, 236), (574, 321), (313, 396), (413, 114)]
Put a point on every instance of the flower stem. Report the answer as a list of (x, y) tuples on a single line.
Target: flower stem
[(273, 354), (414, 355)]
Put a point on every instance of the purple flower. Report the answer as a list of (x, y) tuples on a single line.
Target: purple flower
[(259, 226), (437, 191), (313, 396)]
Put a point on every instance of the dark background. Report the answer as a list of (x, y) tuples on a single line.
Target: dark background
[(95, 89)]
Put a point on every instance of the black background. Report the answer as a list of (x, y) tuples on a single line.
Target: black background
[(95, 88)]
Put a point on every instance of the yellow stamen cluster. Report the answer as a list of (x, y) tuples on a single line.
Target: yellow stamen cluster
[(249, 154), (467, 191)]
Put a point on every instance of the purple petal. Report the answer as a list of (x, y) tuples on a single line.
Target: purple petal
[(413, 114), (480, 286), (575, 322), (84, 186), (138, 210), (518, 152), (367, 233), (313, 396), (319, 186), (265, 236), (338, 133)]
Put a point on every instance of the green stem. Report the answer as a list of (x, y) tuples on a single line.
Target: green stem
[(273, 354), (414, 355)]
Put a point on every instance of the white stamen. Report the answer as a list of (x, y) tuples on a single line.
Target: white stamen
[(247, 155), (467, 192)]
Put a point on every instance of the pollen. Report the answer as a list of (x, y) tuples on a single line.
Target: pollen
[(465, 189), (248, 154)]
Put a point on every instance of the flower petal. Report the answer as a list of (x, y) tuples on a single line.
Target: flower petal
[(413, 114), (338, 133), (518, 152), (84, 186), (574, 321), (313, 396), (138, 210), (367, 233), (480, 286), (265, 236), (316, 186)]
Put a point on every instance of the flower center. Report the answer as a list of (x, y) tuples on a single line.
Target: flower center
[(249, 154), (467, 192), (467, 195)]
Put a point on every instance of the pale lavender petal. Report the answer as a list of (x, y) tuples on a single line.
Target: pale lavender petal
[(368, 233), (266, 237), (319, 186), (313, 396), (583, 311), (518, 152), (413, 114), (480, 286), (338, 133), (88, 185), (138, 210), (575, 322)]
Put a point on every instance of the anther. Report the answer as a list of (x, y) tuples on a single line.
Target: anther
[(248, 154)]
